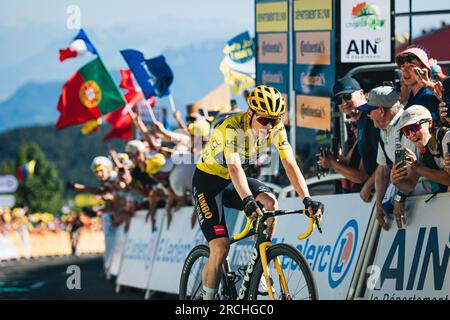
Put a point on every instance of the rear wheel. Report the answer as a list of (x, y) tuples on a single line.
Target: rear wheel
[(191, 275), (296, 270)]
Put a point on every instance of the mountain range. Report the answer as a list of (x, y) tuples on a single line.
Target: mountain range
[(195, 67)]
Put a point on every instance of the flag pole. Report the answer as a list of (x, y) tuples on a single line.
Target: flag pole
[(172, 103), (152, 115)]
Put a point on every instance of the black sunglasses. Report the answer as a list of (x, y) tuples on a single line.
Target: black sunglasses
[(346, 97), (265, 121)]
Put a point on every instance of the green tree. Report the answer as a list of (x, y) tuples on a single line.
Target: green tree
[(7, 167), (41, 192)]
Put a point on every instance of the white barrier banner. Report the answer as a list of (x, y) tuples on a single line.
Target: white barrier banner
[(139, 250), (333, 254), (109, 232), (412, 263), (174, 245), (119, 245), (7, 248)]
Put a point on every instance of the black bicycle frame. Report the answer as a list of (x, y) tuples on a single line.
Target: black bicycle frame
[(259, 228)]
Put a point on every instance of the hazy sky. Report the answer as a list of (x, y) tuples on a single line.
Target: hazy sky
[(29, 27)]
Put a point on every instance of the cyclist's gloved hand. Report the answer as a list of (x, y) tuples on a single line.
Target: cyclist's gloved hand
[(251, 208), (313, 207)]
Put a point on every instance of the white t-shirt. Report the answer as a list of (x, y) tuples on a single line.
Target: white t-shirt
[(181, 178), (389, 137), (440, 159)]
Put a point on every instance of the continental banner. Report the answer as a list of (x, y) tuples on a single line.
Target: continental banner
[(273, 48), (312, 15), (313, 112), (271, 16)]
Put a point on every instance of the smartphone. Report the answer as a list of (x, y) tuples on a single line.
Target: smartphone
[(399, 155), (419, 73)]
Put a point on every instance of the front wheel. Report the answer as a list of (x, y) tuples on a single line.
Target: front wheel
[(191, 275), (296, 271)]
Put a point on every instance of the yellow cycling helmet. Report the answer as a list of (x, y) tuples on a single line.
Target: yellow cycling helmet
[(267, 101)]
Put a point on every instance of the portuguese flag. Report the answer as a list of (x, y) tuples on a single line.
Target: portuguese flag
[(87, 95)]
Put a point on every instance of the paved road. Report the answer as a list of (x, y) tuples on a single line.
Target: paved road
[(46, 278)]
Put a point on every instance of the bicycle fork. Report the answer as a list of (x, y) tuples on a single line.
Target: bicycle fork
[(263, 247)]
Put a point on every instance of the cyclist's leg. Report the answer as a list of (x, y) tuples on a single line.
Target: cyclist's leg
[(260, 191), (207, 192)]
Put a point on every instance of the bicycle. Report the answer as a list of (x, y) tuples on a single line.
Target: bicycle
[(265, 260)]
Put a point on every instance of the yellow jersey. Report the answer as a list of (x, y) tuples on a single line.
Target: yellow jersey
[(235, 136)]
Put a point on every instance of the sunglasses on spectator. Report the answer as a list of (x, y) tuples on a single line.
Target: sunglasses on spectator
[(346, 97), (413, 127), (265, 121)]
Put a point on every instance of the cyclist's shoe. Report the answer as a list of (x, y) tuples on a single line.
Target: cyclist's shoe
[(262, 288)]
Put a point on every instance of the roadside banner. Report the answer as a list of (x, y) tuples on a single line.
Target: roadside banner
[(8, 183), (366, 31), (119, 245), (412, 263), (174, 245), (333, 254), (139, 250)]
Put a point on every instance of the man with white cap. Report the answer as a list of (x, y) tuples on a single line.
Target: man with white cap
[(142, 182), (417, 125), (384, 108)]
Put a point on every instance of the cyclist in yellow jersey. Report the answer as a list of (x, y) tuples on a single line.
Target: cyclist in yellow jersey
[(220, 180)]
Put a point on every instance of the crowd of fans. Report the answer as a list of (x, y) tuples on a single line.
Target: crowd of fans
[(396, 136), (18, 218), (156, 170), (399, 136)]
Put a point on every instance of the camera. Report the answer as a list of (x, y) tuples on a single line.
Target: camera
[(321, 172)]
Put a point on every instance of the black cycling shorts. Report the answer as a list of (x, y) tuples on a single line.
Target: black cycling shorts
[(211, 193)]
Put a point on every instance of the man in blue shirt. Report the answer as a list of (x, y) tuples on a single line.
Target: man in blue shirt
[(348, 95)]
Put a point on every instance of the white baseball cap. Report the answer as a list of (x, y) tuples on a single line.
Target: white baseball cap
[(134, 146), (414, 114)]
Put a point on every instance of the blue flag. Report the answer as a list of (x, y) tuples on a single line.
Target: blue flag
[(241, 48), (154, 76)]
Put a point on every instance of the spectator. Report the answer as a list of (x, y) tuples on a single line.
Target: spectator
[(417, 125), (234, 106), (385, 109), (416, 72), (348, 95)]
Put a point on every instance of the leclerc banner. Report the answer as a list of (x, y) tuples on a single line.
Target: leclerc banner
[(412, 263), (366, 31), (333, 254)]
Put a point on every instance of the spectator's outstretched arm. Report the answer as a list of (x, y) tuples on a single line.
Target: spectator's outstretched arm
[(381, 184), (84, 188), (137, 119), (357, 175), (447, 163), (368, 187), (439, 176), (181, 123)]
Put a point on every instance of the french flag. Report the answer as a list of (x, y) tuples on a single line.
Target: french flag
[(78, 47)]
